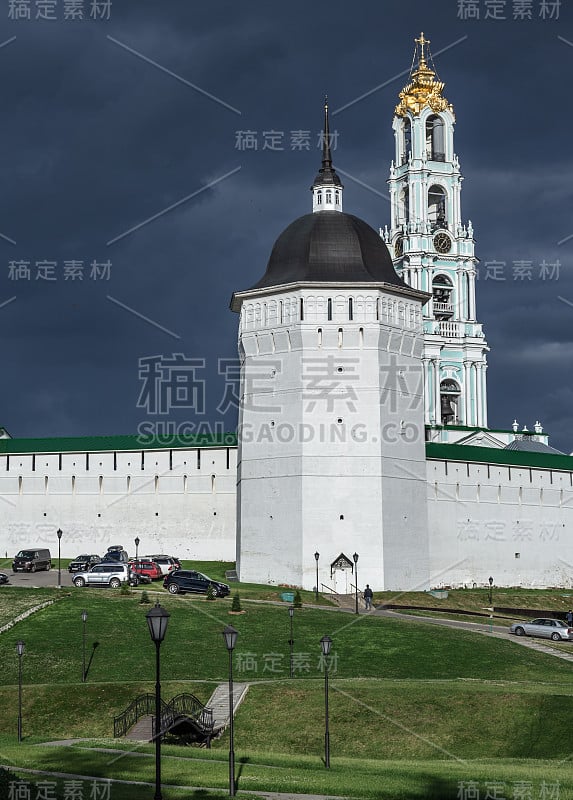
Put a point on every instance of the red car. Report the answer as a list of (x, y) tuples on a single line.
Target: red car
[(148, 568)]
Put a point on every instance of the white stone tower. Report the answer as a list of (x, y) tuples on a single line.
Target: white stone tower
[(331, 456), (433, 249)]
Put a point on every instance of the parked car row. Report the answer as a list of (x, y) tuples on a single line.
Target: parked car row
[(115, 568)]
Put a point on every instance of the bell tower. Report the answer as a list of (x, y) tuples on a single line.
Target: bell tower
[(433, 248)]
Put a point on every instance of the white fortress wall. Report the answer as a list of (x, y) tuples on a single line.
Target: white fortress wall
[(513, 523), (180, 501)]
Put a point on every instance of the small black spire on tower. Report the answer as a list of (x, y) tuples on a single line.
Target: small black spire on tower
[(326, 174)]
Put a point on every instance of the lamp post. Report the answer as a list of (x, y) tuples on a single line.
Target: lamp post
[(326, 643), (20, 651), (230, 636), (291, 640), (490, 579), (355, 559), (59, 535), (157, 620), (84, 620), (316, 557), (137, 540)]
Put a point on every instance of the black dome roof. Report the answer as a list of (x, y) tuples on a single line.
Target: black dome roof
[(329, 246)]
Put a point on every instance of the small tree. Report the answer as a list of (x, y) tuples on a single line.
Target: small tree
[(211, 592), (236, 604), (144, 598), (297, 600), (124, 588)]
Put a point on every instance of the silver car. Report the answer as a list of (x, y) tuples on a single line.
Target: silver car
[(106, 574), (545, 627)]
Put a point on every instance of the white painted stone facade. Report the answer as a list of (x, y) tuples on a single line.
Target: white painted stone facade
[(323, 465)]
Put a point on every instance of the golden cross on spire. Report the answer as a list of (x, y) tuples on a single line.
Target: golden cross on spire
[(422, 41)]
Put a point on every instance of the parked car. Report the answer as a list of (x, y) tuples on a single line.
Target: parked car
[(83, 563), (116, 553), (3, 578), (547, 628), (146, 567), (106, 574), (167, 564), (32, 560), (188, 580)]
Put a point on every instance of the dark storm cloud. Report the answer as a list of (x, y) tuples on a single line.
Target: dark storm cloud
[(96, 140)]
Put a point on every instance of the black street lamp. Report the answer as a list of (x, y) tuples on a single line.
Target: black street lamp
[(230, 636), (316, 557), (84, 620), (291, 640), (355, 558), (137, 540), (157, 620), (20, 651), (326, 643), (490, 588), (59, 535)]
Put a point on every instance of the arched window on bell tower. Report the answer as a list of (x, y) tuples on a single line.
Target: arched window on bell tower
[(442, 290), (406, 141), (403, 205), (437, 207), (435, 139), (449, 402)]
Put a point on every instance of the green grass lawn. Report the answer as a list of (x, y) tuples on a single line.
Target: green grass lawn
[(414, 709)]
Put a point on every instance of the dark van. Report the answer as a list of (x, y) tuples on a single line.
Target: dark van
[(32, 560)]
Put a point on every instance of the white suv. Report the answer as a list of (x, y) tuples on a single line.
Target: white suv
[(106, 574)]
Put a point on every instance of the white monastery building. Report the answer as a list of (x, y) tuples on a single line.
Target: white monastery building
[(363, 417)]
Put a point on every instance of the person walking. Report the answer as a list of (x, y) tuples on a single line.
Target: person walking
[(368, 595), (569, 618)]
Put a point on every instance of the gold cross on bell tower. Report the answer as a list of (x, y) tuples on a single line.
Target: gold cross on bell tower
[(422, 41)]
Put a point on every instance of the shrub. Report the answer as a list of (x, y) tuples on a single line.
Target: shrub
[(297, 600), (236, 604), (211, 592), (124, 588), (144, 598)]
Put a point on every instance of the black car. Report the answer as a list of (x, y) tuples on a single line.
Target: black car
[(83, 562), (181, 581), (117, 554)]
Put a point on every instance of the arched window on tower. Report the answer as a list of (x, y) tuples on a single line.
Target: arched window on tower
[(403, 206), (449, 402), (337, 196), (437, 207), (442, 289), (406, 141), (435, 143), (328, 196), (319, 197)]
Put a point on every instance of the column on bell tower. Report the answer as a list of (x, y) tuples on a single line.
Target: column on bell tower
[(433, 249)]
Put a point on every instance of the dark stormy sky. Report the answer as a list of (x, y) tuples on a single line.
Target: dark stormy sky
[(109, 122)]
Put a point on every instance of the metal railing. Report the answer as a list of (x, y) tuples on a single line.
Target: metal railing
[(142, 706), (182, 705)]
